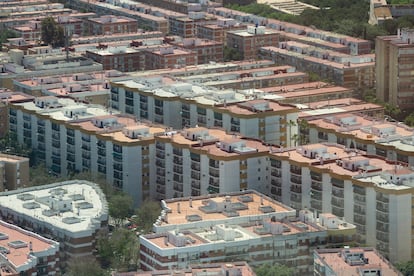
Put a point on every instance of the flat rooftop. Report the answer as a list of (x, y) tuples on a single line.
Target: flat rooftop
[(252, 200), (333, 259), (75, 206), (15, 243), (213, 269)]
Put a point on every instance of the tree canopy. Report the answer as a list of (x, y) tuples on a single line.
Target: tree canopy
[(273, 270), (52, 32), (147, 214), (85, 267), (406, 268), (119, 250), (120, 207)]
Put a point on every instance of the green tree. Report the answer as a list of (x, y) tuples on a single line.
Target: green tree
[(147, 214), (231, 54), (406, 268), (119, 250), (85, 267), (52, 32), (120, 207), (409, 120), (273, 270), (6, 34)]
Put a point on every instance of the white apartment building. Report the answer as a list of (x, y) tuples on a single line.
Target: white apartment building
[(199, 161), (372, 193), (241, 226), (73, 137), (390, 140), (71, 212), (249, 112)]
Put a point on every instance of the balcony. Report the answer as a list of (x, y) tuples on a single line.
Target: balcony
[(359, 219), (276, 182), (276, 173), (316, 176), (316, 186), (296, 170), (383, 207), (178, 160), (160, 154), (195, 175), (317, 205), (195, 184), (296, 189), (295, 179), (214, 172), (381, 198)]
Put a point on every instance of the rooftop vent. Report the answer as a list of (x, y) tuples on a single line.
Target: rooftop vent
[(192, 218), (266, 209), (26, 197), (17, 244), (77, 197), (245, 198), (71, 220), (84, 205), (231, 214), (58, 191), (4, 250), (49, 213), (31, 205), (3, 236)]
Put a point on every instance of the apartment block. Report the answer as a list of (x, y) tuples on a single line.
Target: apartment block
[(186, 26), (73, 137), (394, 66), (92, 87), (121, 58), (355, 72), (199, 161), (365, 190), (147, 20), (71, 212), (14, 172), (252, 79), (6, 97), (169, 57), (230, 227), (388, 140), (247, 42), (179, 105), (320, 38), (26, 253), (216, 269), (218, 31), (206, 50), (43, 64), (347, 261), (110, 24)]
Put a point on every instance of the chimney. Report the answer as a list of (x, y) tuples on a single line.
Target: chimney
[(178, 208), (261, 200), (191, 202)]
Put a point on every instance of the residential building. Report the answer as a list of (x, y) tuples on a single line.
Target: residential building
[(110, 24), (394, 64), (198, 161), (247, 42), (14, 172), (71, 212), (6, 97), (119, 57), (26, 253), (206, 50), (186, 26), (91, 87), (72, 137), (147, 20), (179, 105), (214, 269), (355, 72), (356, 46), (43, 64), (389, 140), (239, 226), (218, 31), (365, 190), (169, 57), (351, 261)]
